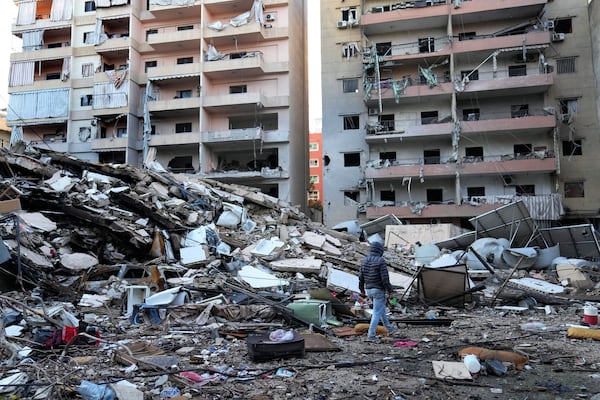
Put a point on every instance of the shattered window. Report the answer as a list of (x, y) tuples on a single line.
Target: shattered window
[(435, 195), (387, 195), (313, 195), (183, 127), (572, 148), (565, 65), (313, 162), (429, 117), (90, 5), (574, 189), (569, 105), (384, 48), (517, 70), (522, 150), (313, 179), (350, 197), (426, 45), (352, 160), (350, 85), (87, 100), (476, 191), (349, 15), (387, 122), (467, 36), (563, 25), (431, 156), (185, 60), (313, 146), (183, 94), (238, 89), (351, 122), (473, 75), (519, 110), (471, 114), (185, 28), (525, 190), (387, 155), (149, 64)]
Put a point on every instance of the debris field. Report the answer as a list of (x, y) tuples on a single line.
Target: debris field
[(126, 283)]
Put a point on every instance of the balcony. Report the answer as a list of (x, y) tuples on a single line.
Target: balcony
[(41, 24), (486, 44), (188, 103), (115, 43), (243, 102), (469, 208), (489, 165), (227, 137), (158, 10), (250, 33), (42, 54), (109, 144), (174, 139), (505, 83), (403, 129), (173, 71), (173, 37), (404, 92), (478, 11), (249, 64), (405, 15), (249, 176), (501, 124)]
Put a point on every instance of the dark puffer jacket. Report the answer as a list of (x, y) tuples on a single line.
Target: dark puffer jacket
[(373, 271)]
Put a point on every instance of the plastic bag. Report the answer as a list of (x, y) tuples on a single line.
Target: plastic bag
[(92, 391)]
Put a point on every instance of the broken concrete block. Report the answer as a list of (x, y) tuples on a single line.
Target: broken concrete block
[(313, 240), (192, 255), (333, 240), (304, 265), (259, 279), (38, 221), (330, 249), (574, 276), (266, 248), (78, 261)]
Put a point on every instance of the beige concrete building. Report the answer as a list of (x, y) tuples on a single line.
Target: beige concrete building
[(440, 110), (214, 87)]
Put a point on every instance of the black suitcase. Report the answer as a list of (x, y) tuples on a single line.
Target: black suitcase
[(261, 348)]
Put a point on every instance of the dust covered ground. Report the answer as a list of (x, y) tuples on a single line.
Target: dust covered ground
[(558, 367)]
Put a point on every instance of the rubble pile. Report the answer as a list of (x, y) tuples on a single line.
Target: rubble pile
[(141, 284)]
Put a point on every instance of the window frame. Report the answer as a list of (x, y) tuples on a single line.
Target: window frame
[(352, 159)]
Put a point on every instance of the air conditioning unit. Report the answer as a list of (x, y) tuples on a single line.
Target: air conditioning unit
[(373, 111), (270, 17), (549, 25), (558, 37), (342, 24)]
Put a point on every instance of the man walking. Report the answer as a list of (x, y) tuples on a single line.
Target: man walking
[(374, 281)]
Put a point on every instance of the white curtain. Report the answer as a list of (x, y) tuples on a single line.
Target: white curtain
[(171, 2), (16, 135), (99, 35), (33, 40), (26, 14), (62, 10), (107, 96), (21, 73), (102, 3), (87, 70), (66, 69), (118, 2), (40, 104)]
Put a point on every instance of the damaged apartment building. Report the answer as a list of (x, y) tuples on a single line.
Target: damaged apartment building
[(216, 88), (441, 110)]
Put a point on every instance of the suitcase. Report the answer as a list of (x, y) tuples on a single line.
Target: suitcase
[(261, 348)]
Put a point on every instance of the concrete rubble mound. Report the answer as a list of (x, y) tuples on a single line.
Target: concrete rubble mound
[(127, 283)]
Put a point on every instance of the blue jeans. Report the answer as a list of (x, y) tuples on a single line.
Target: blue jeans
[(377, 296)]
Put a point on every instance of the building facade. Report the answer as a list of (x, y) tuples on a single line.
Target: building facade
[(440, 110), (213, 87)]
